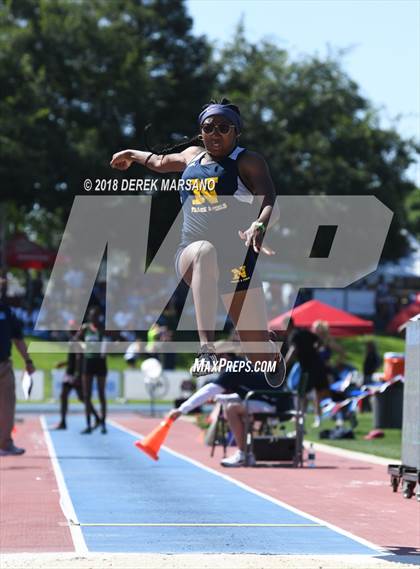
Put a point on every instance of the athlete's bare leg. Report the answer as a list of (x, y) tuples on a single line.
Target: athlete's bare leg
[(248, 312), (198, 265)]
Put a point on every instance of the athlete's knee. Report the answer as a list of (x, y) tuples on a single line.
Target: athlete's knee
[(206, 258), (234, 409)]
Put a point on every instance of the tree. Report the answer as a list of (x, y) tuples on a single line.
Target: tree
[(412, 206), (319, 135), (80, 80)]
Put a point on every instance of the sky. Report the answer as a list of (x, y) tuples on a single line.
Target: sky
[(382, 37)]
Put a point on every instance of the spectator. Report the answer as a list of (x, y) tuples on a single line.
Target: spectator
[(327, 346), (371, 363), (10, 329), (94, 365), (303, 347), (72, 380), (134, 351)]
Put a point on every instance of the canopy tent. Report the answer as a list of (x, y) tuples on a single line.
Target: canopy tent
[(24, 254), (341, 323), (403, 315)]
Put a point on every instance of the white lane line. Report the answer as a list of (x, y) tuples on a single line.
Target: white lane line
[(200, 525), (377, 549), (65, 500)]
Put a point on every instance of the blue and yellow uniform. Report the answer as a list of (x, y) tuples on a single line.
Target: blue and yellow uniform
[(216, 205)]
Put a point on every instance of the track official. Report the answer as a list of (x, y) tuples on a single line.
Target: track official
[(10, 330)]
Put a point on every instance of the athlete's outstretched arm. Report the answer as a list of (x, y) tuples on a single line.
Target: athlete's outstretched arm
[(254, 172), (161, 163)]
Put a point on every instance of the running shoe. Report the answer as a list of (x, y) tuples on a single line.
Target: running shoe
[(317, 422), (11, 450), (59, 427), (238, 459), (97, 424), (206, 361), (276, 378)]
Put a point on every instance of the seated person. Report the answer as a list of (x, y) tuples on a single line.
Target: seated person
[(240, 383)]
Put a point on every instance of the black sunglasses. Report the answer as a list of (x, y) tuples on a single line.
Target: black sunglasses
[(222, 128)]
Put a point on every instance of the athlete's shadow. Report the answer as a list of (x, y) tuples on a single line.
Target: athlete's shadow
[(403, 555), (288, 465)]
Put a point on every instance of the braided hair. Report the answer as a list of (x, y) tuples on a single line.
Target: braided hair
[(187, 142)]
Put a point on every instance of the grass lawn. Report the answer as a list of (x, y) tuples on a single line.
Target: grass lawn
[(355, 347), (49, 361), (389, 446)]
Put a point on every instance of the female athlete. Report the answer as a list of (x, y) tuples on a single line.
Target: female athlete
[(223, 180)]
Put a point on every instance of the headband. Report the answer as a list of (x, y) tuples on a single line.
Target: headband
[(225, 111)]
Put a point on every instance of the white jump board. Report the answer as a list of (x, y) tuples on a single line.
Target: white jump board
[(112, 385), (37, 393), (135, 387)]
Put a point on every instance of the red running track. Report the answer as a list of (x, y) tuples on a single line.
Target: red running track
[(352, 494), (31, 519)]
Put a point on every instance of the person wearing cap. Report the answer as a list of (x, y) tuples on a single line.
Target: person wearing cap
[(221, 237), (10, 330)]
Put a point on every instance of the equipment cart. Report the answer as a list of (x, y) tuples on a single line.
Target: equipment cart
[(408, 473)]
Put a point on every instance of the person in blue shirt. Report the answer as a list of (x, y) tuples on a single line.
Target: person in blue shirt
[(214, 167), (10, 331)]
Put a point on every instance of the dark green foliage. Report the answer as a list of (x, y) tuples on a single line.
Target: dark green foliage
[(79, 80), (317, 132)]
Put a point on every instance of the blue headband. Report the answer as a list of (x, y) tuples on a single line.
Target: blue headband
[(223, 110)]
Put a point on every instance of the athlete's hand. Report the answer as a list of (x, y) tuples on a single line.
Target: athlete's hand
[(174, 414), (29, 367), (254, 236), (122, 160)]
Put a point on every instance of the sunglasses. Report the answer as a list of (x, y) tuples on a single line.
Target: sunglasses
[(222, 128)]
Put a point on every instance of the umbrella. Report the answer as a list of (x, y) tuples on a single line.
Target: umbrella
[(340, 322), (403, 315), (24, 254)]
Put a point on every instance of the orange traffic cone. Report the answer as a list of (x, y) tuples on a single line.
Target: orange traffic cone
[(152, 443)]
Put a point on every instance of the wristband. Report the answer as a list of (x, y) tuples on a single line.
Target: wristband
[(260, 226), (148, 158)]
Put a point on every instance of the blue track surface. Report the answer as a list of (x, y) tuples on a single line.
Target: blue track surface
[(111, 482)]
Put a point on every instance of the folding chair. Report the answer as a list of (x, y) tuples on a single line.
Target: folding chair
[(220, 433), (264, 445)]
